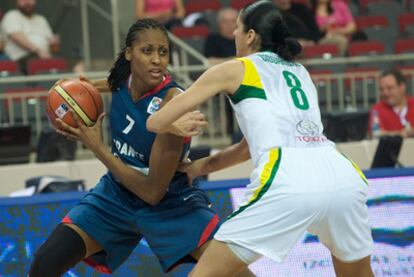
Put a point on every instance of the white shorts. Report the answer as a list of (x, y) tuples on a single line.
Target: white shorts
[(303, 189)]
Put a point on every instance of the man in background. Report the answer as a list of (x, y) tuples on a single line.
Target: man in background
[(27, 34), (394, 114), (220, 46)]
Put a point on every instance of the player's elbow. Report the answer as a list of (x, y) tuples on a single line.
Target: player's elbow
[(154, 126), (154, 198)]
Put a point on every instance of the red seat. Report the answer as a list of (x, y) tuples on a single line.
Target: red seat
[(320, 51), (17, 94), (372, 21), (404, 45), (191, 32), (52, 65), (362, 48), (239, 4), (8, 67), (405, 20), (202, 5)]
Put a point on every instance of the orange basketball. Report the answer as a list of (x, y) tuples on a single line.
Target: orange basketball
[(79, 96)]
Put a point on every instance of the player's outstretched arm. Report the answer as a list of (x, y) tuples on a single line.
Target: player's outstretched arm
[(232, 155), (224, 78)]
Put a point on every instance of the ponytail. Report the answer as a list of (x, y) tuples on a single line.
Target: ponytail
[(265, 19), (119, 72)]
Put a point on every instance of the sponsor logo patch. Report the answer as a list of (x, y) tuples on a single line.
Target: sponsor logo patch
[(154, 105), (62, 110)]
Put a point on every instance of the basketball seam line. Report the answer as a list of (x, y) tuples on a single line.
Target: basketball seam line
[(93, 98), (74, 105)]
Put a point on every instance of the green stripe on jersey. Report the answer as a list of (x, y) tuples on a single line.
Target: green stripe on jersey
[(244, 92)]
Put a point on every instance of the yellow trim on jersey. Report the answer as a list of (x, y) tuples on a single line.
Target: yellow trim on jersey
[(251, 86), (251, 76), (72, 103)]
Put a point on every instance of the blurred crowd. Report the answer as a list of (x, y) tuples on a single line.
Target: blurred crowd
[(25, 34)]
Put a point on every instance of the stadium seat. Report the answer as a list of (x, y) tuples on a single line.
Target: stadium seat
[(199, 31), (406, 24), (52, 65), (8, 68), (377, 28), (404, 45), (202, 6), (321, 51), (239, 4), (365, 48)]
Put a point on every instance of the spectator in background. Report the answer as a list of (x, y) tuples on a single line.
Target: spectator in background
[(168, 12), (28, 34), (335, 21), (220, 46), (300, 20), (394, 114)]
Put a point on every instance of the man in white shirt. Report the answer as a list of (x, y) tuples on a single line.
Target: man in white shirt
[(27, 34)]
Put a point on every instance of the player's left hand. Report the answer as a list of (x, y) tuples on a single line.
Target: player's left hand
[(91, 136), (193, 169), (187, 168), (189, 125)]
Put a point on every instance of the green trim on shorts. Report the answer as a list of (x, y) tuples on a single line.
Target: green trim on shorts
[(263, 188)]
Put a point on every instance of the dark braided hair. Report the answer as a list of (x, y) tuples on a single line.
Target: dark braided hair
[(265, 19), (121, 69)]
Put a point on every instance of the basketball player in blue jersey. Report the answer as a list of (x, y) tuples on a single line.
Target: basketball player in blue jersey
[(299, 182), (142, 195)]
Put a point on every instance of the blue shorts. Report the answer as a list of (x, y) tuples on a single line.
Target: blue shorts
[(117, 220)]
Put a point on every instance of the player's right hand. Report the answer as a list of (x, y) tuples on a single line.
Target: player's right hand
[(189, 125)]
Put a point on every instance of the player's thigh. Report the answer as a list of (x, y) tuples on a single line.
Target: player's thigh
[(91, 245), (218, 260), (196, 254)]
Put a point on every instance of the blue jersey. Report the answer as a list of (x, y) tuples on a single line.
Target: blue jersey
[(131, 141), (117, 219)]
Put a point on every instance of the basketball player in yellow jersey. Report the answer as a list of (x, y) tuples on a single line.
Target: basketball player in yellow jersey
[(300, 182)]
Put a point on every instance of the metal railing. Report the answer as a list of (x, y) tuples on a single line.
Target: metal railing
[(337, 92)]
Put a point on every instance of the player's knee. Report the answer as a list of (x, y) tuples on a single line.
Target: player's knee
[(62, 250)]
